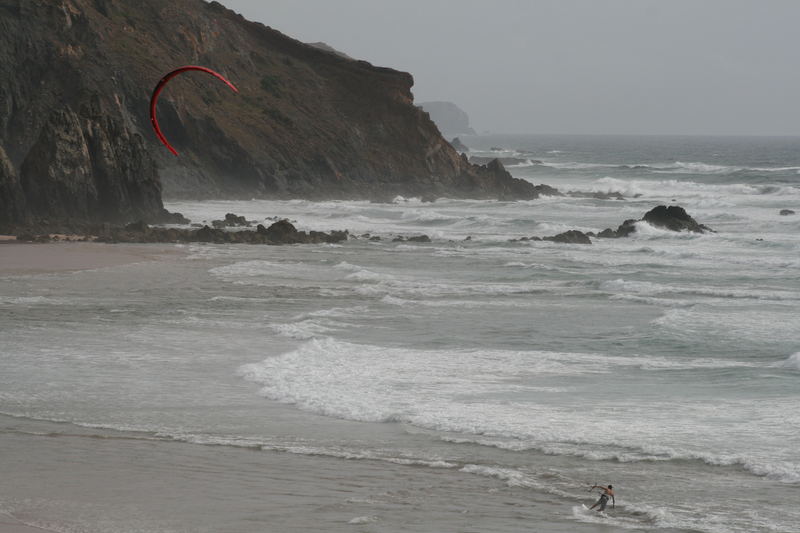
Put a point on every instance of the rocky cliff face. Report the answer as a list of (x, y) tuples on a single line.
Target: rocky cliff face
[(76, 143)]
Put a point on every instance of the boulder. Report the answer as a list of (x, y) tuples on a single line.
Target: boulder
[(283, 232), (673, 218)]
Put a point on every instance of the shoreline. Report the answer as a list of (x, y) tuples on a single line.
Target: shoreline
[(20, 258), (237, 490)]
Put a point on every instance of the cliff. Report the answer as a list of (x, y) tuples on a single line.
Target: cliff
[(451, 119), (76, 143)]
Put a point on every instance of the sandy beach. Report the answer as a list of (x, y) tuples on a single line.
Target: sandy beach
[(143, 483), (26, 258)]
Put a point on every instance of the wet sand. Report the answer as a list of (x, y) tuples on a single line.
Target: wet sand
[(61, 477), (26, 258)]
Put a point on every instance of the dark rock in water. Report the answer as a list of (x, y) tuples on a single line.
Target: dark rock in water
[(516, 189), (570, 237), (281, 232), (546, 190), (458, 145), (231, 221), (234, 220), (624, 229), (786, 212), (418, 238), (673, 218)]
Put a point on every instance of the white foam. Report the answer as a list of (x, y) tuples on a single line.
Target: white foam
[(792, 362), (647, 288), (306, 329), (470, 392), (33, 300), (359, 520)]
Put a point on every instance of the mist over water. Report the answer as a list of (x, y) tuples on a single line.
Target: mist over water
[(664, 363)]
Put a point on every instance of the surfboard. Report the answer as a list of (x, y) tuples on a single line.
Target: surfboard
[(587, 510)]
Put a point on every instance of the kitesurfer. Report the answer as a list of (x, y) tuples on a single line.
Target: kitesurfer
[(603, 501)]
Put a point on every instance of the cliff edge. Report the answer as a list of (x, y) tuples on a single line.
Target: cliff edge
[(76, 143)]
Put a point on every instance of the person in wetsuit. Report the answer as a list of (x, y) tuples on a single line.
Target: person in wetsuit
[(603, 501)]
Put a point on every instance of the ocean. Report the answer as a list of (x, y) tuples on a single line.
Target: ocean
[(467, 384)]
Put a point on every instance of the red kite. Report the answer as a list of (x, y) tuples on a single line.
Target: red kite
[(160, 87)]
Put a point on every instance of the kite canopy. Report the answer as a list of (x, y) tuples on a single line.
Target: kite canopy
[(160, 86)]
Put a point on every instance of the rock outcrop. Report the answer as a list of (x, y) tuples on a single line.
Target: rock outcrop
[(75, 80), (673, 218), (281, 232)]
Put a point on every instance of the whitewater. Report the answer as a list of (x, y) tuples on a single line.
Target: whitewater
[(502, 376)]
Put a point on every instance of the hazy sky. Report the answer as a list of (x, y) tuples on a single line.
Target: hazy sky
[(575, 66)]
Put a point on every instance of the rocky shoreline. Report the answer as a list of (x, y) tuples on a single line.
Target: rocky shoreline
[(280, 232), (235, 229)]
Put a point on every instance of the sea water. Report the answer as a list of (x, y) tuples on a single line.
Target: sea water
[(666, 364)]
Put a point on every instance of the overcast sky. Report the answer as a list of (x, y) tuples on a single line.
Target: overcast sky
[(575, 66)]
